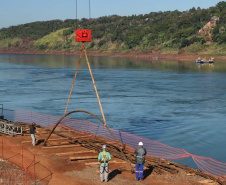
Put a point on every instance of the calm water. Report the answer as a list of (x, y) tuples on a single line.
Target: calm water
[(179, 104)]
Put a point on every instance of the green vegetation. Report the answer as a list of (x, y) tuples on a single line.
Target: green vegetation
[(9, 42), (167, 32)]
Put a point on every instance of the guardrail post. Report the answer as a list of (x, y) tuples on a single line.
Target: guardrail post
[(5, 131), (8, 176), (31, 116), (2, 147), (15, 177), (161, 151), (25, 175), (209, 166), (88, 127), (22, 155), (97, 131), (120, 134), (34, 171), (4, 176)]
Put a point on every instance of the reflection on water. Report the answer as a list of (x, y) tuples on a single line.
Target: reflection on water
[(62, 61), (181, 104)]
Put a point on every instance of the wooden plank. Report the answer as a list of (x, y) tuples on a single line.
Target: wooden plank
[(26, 134), (26, 142), (48, 140), (118, 162), (79, 137), (60, 146), (83, 158), (64, 139), (71, 153), (94, 163), (110, 162), (62, 131), (65, 142), (87, 151), (57, 139)]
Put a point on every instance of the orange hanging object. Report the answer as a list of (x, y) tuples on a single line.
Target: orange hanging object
[(83, 35)]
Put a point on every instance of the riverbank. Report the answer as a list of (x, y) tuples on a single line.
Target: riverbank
[(149, 56), (56, 157)]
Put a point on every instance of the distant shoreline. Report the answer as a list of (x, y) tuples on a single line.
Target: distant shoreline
[(147, 56)]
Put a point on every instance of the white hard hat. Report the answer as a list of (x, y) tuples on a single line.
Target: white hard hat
[(104, 146), (140, 144)]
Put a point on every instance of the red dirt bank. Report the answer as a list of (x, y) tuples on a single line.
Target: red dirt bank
[(145, 55)]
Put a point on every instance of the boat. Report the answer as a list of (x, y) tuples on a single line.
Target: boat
[(202, 61)]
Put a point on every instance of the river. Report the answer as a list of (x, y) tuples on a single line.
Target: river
[(180, 104)]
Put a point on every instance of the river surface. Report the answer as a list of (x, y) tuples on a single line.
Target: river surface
[(180, 104)]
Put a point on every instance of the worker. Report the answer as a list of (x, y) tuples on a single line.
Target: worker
[(104, 157), (32, 132), (140, 160)]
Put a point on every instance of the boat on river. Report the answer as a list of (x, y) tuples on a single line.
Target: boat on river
[(202, 61)]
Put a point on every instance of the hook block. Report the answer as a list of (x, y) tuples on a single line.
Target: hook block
[(83, 35)]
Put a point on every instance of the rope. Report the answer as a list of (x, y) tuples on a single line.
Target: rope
[(102, 112), (73, 82), (77, 12)]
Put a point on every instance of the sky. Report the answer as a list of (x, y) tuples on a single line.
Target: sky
[(15, 12)]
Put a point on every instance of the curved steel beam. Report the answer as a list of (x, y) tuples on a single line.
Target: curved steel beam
[(128, 162)]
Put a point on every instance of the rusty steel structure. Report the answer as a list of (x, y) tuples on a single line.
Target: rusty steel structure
[(10, 128)]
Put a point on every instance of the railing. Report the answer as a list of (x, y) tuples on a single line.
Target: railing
[(27, 169), (154, 148), (20, 157)]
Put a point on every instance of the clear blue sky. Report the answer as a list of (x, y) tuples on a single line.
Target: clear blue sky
[(14, 12)]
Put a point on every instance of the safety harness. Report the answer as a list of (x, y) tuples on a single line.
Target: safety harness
[(104, 158)]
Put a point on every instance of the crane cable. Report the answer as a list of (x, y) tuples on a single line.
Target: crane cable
[(65, 112), (77, 12), (89, 10)]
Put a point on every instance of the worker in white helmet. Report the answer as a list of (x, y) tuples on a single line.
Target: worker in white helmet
[(140, 160), (103, 158)]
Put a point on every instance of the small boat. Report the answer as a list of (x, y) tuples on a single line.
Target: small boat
[(202, 61)]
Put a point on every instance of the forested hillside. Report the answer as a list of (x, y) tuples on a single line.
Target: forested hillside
[(157, 31)]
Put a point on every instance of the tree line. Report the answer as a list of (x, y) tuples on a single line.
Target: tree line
[(174, 29)]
